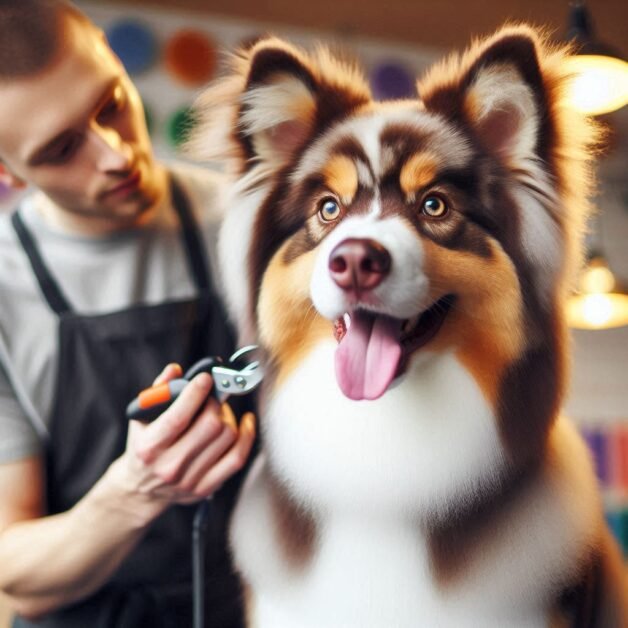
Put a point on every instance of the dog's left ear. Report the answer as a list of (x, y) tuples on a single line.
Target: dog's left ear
[(278, 104), (274, 100), (289, 94), (496, 90)]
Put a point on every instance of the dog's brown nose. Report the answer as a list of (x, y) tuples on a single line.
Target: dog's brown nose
[(359, 264)]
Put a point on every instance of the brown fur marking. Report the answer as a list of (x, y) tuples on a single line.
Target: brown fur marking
[(486, 318), (456, 544), (295, 528)]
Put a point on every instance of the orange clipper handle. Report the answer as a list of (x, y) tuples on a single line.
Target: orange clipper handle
[(150, 403)]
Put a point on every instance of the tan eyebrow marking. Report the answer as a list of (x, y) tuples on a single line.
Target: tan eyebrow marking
[(417, 172), (341, 176)]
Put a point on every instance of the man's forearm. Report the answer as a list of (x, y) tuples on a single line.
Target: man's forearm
[(53, 561), (180, 458)]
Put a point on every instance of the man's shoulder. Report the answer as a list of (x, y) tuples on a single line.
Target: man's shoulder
[(11, 254), (6, 229), (204, 187), (197, 176)]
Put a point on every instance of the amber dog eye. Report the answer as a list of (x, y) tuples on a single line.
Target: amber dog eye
[(434, 206), (329, 210)]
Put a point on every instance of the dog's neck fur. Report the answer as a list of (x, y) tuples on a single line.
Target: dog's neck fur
[(401, 474)]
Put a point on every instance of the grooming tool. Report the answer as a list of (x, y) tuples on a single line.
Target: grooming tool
[(236, 376)]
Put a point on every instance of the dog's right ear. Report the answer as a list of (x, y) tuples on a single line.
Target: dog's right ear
[(273, 102)]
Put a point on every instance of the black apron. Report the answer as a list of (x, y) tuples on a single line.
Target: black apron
[(104, 361)]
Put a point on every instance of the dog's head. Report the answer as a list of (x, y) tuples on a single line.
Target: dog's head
[(449, 223)]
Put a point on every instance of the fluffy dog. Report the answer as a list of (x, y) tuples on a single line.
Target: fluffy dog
[(404, 266)]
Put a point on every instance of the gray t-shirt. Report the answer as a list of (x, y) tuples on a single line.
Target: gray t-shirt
[(97, 275)]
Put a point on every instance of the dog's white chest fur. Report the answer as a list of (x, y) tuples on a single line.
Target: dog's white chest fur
[(414, 447), (369, 474)]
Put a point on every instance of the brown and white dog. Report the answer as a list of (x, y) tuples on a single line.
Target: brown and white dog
[(404, 266)]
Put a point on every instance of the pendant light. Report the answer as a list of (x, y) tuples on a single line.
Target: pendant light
[(600, 82), (600, 85), (599, 303)]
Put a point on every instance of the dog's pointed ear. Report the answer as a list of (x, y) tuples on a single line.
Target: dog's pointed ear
[(278, 104), (276, 98), (497, 90)]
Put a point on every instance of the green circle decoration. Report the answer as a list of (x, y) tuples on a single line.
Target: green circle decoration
[(179, 126)]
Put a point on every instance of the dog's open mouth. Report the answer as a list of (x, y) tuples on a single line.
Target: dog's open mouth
[(374, 348)]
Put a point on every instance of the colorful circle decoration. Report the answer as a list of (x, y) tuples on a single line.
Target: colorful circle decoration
[(134, 43), (392, 80), (190, 57), (5, 192), (179, 126)]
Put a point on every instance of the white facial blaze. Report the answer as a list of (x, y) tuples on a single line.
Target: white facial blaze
[(376, 205), (404, 292), (364, 174), (367, 129)]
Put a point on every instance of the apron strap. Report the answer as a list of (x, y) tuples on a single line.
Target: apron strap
[(49, 286), (194, 246), (192, 240)]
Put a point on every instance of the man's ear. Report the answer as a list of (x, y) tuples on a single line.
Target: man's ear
[(8, 179), (496, 89)]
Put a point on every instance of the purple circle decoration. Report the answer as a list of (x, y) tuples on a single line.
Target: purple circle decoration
[(391, 80)]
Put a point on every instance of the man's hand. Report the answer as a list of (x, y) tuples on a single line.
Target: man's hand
[(190, 450), (182, 457)]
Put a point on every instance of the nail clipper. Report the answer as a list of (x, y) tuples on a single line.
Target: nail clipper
[(235, 377)]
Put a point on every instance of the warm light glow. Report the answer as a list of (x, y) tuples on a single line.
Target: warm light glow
[(598, 311), (597, 278), (597, 307), (600, 83)]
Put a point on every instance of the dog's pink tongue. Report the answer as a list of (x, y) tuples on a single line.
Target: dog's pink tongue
[(368, 356)]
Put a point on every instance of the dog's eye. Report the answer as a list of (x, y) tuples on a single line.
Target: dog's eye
[(329, 210), (434, 206)]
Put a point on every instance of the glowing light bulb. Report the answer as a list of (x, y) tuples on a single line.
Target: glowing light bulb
[(597, 278), (597, 309), (599, 83), (597, 306)]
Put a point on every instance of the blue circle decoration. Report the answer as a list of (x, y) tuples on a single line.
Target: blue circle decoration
[(392, 80), (134, 43)]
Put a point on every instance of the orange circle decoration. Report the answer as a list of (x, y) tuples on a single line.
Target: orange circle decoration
[(190, 57)]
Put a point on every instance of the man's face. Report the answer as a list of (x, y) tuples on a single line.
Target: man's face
[(77, 132)]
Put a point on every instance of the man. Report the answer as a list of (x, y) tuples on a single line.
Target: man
[(103, 279)]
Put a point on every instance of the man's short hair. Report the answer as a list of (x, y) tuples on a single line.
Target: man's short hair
[(31, 34)]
